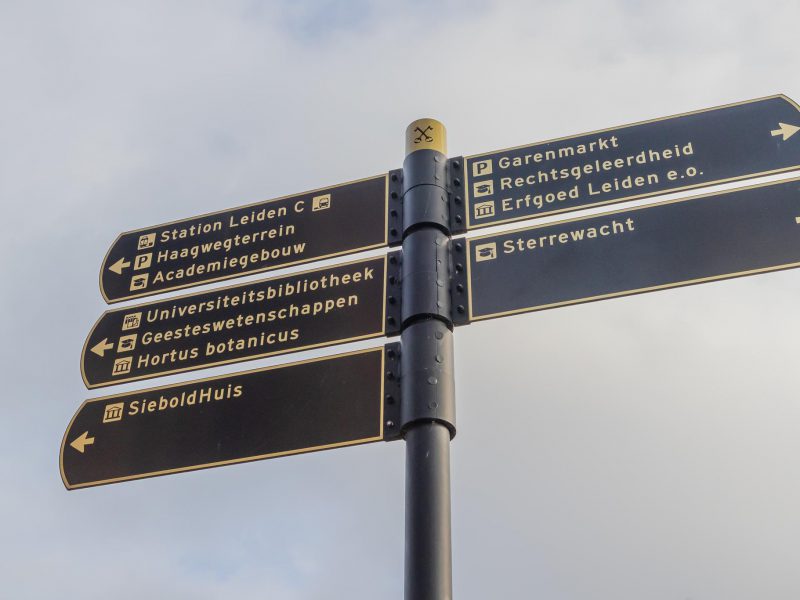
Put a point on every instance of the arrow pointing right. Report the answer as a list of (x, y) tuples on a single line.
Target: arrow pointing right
[(119, 265), (101, 347), (82, 441), (785, 130)]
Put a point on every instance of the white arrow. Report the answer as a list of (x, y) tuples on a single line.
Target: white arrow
[(119, 265), (82, 441), (101, 347), (785, 130)]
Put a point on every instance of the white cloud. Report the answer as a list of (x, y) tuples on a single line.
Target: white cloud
[(636, 448)]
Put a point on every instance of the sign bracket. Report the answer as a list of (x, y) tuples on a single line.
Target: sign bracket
[(459, 283), (392, 399), (394, 221), (458, 206), (394, 294)]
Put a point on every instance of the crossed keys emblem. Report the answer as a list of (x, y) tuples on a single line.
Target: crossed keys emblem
[(423, 135)]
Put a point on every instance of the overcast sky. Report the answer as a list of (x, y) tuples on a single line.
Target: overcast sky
[(645, 447)]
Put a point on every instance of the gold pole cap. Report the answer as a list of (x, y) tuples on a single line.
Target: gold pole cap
[(426, 134)]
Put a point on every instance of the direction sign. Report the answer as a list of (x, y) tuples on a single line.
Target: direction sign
[(681, 242), (287, 409), (259, 237), (305, 310), (633, 161)]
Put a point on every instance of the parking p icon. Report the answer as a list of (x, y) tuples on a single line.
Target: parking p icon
[(142, 261), (480, 168)]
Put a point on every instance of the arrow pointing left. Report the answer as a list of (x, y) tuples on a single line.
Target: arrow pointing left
[(101, 347), (82, 441), (118, 266)]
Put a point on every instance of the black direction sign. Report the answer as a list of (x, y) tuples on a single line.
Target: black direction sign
[(682, 242), (250, 239), (633, 161), (305, 310), (287, 409)]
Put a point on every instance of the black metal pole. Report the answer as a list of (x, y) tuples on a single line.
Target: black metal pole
[(428, 550), (428, 387)]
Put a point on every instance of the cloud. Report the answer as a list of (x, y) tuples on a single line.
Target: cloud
[(641, 447)]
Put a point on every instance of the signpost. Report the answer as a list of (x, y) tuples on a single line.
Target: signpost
[(680, 242), (250, 239), (419, 292), (288, 409), (305, 310), (645, 159)]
